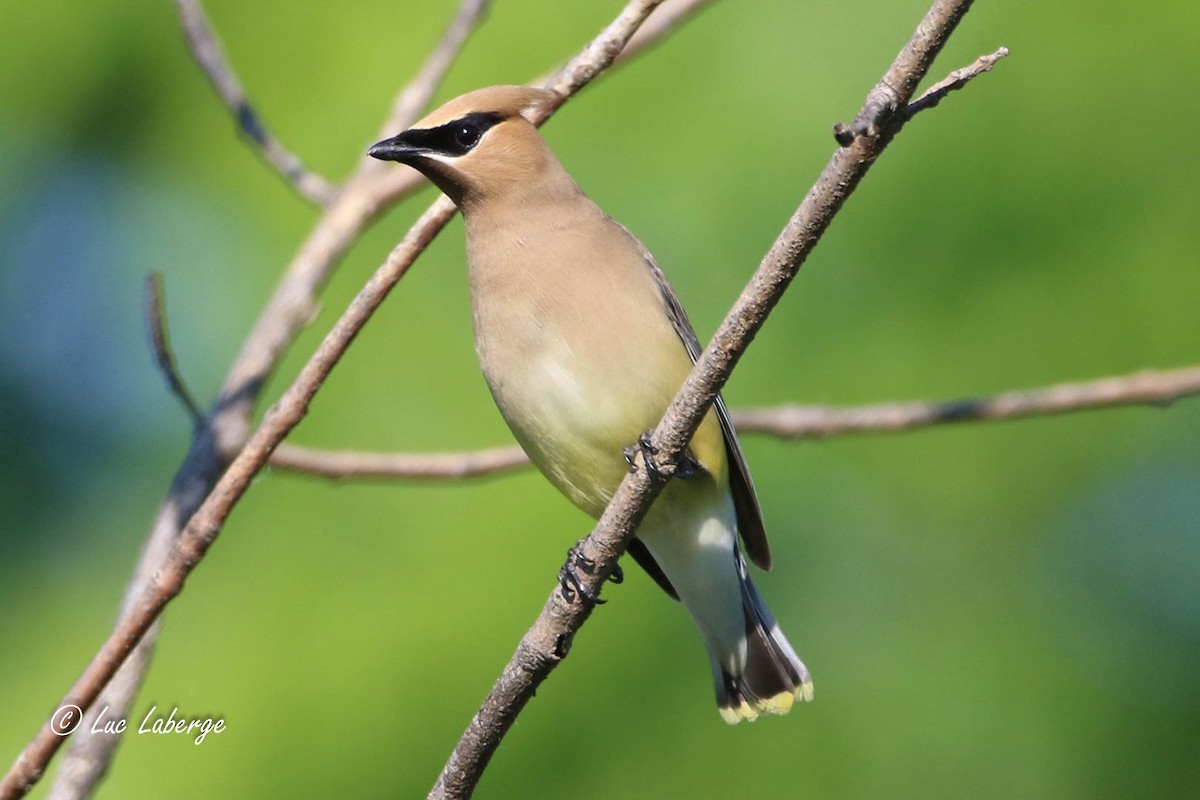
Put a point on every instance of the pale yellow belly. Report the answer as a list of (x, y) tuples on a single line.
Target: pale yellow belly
[(576, 420)]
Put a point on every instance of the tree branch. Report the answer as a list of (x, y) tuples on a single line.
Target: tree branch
[(952, 82), (548, 641), (663, 21), (879, 115), (343, 464), (884, 103), (160, 344), (817, 422), (186, 551), (781, 422), (207, 52)]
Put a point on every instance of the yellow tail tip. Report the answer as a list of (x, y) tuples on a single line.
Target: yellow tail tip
[(777, 705)]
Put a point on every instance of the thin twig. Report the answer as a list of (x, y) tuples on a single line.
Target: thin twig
[(207, 52), (664, 20), (160, 343), (1157, 388), (351, 464), (205, 525), (546, 644), (817, 422), (892, 93), (952, 82)]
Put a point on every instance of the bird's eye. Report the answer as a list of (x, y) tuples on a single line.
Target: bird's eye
[(467, 135)]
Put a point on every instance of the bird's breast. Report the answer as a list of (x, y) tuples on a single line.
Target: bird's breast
[(579, 366)]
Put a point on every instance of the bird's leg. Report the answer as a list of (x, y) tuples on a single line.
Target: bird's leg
[(568, 577), (684, 468), (687, 465)]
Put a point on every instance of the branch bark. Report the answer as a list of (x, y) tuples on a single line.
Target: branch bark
[(818, 422), (954, 81), (546, 644), (276, 328), (352, 464), (1158, 388)]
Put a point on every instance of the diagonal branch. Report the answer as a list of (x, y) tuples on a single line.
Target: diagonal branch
[(883, 103), (548, 641), (952, 82), (1158, 388), (189, 548), (882, 114), (207, 51), (663, 21)]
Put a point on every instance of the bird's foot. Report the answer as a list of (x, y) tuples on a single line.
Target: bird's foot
[(684, 468), (572, 586)]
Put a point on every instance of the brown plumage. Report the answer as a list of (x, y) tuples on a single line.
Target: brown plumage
[(583, 345)]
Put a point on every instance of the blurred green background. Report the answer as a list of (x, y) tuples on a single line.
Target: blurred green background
[(1006, 610)]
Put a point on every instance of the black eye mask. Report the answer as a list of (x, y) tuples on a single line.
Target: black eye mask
[(455, 138)]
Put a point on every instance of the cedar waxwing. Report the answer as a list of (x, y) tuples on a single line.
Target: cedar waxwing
[(584, 345)]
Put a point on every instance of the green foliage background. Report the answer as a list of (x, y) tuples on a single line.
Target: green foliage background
[(1005, 611)]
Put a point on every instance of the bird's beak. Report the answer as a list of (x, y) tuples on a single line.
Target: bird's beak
[(398, 148)]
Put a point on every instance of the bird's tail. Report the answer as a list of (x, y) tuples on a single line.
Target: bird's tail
[(773, 677)]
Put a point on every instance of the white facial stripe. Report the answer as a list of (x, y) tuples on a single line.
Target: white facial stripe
[(439, 157)]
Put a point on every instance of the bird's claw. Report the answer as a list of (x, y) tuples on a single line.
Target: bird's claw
[(572, 586), (684, 468)]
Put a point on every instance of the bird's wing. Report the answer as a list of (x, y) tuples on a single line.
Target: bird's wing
[(745, 500)]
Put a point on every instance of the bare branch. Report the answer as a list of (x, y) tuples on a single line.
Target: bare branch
[(819, 422), (189, 548), (548, 641), (341, 464), (952, 82), (876, 118), (207, 52), (783, 422), (160, 343), (665, 19)]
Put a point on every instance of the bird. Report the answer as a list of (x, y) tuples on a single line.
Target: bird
[(583, 345)]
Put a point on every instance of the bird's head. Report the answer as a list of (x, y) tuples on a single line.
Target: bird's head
[(476, 145)]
